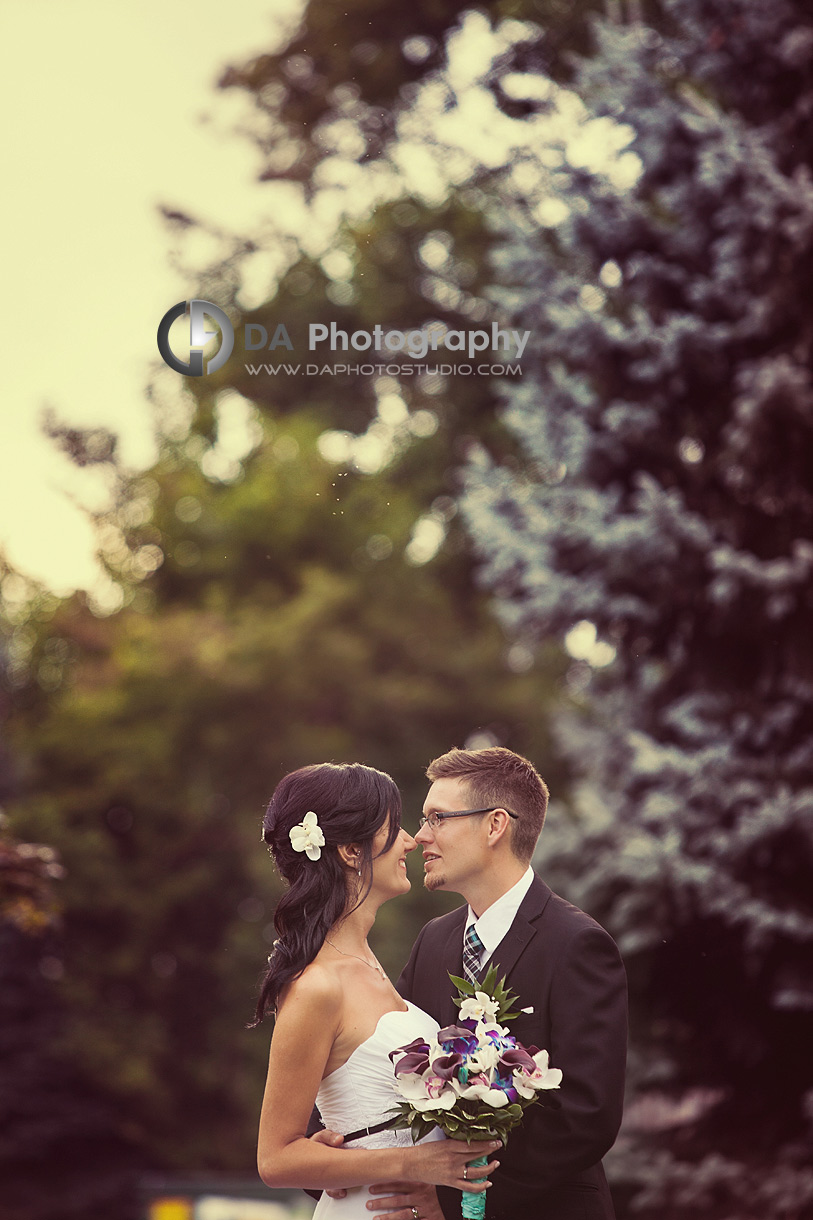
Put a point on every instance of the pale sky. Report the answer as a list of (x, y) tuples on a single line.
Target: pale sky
[(101, 105)]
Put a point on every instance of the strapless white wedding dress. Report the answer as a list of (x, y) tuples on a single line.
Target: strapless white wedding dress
[(360, 1094)]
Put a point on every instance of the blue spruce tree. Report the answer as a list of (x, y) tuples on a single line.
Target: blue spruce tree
[(664, 494)]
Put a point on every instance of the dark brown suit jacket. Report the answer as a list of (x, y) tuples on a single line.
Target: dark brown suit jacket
[(563, 964)]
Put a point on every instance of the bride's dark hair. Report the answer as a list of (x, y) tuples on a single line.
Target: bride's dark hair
[(351, 802)]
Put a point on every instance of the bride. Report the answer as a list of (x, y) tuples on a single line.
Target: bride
[(334, 831)]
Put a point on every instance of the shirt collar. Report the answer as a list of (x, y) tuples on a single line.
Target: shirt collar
[(495, 921)]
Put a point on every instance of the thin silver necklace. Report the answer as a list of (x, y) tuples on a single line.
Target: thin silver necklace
[(344, 953)]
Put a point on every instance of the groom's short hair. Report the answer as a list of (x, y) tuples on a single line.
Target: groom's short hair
[(497, 776)]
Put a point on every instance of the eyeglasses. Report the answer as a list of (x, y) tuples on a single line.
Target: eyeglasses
[(433, 820)]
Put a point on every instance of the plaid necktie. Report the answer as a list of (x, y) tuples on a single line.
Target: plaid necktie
[(472, 951)]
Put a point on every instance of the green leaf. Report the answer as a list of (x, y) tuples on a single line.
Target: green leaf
[(463, 985), (489, 980)]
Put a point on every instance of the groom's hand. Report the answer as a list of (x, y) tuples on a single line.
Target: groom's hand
[(405, 1196), (333, 1140)]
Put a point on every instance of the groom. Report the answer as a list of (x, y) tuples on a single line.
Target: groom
[(481, 821)]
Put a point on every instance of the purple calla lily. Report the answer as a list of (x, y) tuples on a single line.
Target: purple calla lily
[(417, 1044), (453, 1031), (455, 1038), (445, 1066), (414, 1062), (515, 1058)]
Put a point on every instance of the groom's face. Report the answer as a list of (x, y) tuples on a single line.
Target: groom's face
[(455, 850)]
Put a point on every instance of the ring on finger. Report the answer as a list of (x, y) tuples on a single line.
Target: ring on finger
[(465, 1173), (415, 1215)]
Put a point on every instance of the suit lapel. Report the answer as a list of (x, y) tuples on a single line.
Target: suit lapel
[(452, 964), (522, 930)]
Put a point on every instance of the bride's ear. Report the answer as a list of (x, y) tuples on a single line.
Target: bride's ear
[(350, 855)]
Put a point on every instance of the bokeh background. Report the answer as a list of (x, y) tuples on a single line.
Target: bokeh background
[(604, 564)]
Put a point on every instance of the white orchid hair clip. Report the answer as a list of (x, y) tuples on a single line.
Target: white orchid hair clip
[(307, 836)]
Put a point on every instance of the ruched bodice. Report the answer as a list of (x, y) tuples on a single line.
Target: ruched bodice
[(361, 1093)]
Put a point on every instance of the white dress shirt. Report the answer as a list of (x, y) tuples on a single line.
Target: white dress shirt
[(495, 921)]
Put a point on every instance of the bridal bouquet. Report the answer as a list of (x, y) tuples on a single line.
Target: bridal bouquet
[(474, 1080)]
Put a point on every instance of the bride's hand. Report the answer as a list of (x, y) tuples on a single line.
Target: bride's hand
[(442, 1163)]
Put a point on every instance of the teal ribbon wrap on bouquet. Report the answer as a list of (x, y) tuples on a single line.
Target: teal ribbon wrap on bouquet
[(473, 1206)]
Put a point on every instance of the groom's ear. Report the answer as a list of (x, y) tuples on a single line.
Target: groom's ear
[(499, 825)]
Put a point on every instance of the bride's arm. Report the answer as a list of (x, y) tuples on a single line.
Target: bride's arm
[(307, 1023)]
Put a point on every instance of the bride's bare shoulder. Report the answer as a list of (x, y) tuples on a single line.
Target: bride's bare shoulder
[(318, 989)]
